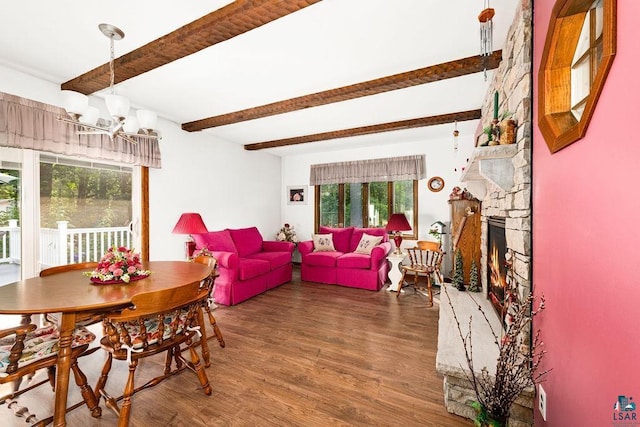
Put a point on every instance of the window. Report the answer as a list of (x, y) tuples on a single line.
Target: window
[(366, 204), (87, 204)]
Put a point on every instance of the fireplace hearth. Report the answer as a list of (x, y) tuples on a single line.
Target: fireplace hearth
[(496, 268)]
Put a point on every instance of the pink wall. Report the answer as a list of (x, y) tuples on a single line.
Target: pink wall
[(586, 240)]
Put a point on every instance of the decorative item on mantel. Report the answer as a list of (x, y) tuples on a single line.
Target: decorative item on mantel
[(507, 128), (502, 129), (520, 356)]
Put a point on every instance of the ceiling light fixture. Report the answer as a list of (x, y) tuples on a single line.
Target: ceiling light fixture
[(486, 33), (121, 125)]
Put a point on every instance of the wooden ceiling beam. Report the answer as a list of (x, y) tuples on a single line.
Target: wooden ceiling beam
[(223, 24), (447, 70), (367, 130)]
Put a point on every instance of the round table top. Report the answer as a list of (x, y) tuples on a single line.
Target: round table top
[(73, 292)]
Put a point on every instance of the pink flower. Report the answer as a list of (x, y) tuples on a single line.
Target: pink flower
[(113, 267), (118, 272), (131, 270)]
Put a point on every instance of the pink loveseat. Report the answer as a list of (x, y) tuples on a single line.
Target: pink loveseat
[(247, 264), (344, 266)]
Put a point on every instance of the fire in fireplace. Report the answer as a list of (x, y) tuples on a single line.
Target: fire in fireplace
[(496, 269)]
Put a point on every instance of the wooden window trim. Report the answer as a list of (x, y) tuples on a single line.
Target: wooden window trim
[(365, 213)]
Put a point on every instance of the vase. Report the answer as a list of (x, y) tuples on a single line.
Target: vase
[(495, 421), (507, 132)]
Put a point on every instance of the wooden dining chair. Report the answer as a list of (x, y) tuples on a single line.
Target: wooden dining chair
[(54, 319), (209, 284), (25, 349), (428, 245), (423, 263), (40, 351), (159, 321), (433, 246)]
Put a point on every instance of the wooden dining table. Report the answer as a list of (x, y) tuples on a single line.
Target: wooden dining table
[(77, 298)]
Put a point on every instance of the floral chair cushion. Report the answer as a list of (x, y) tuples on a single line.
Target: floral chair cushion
[(151, 325), (41, 343)]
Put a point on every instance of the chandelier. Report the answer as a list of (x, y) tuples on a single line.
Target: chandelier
[(121, 124)]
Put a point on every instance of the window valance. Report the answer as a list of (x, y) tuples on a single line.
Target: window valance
[(25, 123), (374, 170)]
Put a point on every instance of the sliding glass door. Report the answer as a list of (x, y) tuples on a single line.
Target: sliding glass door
[(58, 210), (10, 201), (85, 208)]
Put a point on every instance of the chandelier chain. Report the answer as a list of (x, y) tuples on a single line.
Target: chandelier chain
[(111, 66)]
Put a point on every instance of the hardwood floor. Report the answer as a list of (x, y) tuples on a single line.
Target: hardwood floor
[(303, 354)]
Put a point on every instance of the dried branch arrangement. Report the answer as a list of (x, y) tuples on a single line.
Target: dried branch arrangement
[(518, 361)]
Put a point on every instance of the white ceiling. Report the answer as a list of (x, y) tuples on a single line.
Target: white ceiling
[(327, 45)]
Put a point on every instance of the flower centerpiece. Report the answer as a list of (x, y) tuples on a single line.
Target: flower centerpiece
[(202, 252), (287, 234), (118, 265)]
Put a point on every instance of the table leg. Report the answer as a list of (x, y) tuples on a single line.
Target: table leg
[(394, 273), (68, 323)]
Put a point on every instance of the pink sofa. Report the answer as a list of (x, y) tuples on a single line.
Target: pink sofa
[(344, 266), (247, 264)]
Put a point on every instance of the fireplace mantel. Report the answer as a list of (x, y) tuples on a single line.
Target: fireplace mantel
[(493, 164)]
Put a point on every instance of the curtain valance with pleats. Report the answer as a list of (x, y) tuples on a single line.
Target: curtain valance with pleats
[(25, 123), (374, 170)]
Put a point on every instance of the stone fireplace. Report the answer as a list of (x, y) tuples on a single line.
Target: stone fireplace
[(500, 177)]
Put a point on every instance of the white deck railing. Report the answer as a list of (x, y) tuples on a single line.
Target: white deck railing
[(64, 245)]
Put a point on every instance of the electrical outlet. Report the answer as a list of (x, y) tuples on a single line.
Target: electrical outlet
[(542, 402)]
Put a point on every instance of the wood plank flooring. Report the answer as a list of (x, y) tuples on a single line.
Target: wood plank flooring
[(303, 354)]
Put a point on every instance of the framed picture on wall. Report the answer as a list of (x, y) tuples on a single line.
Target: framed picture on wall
[(297, 195)]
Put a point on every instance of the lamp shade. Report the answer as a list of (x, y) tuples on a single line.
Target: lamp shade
[(190, 223), (147, 119), (131, 125), (117, 105), (74, 102), (90, 116), (398, 222)]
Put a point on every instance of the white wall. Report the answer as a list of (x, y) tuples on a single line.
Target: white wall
[(228, 186), (440, 161)]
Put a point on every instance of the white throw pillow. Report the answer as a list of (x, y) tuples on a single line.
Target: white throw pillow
[(367, 243), (323, 243)]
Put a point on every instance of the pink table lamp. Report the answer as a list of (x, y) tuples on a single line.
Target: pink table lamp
[(398, 223), (190, 223)]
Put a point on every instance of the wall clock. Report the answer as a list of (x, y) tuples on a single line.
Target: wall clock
[(436, 184)]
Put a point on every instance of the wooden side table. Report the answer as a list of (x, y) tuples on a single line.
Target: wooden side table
[(394, 272)]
